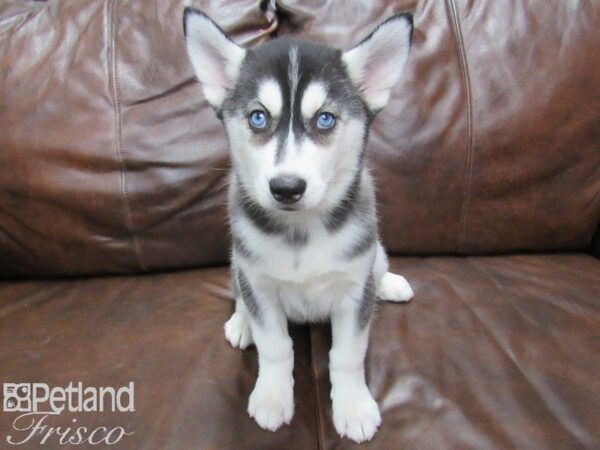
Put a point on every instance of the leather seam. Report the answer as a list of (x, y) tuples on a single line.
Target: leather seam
[(118, 132), (456, 26)]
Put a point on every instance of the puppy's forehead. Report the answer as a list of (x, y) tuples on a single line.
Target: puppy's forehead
[(292, 64), (292, 60)]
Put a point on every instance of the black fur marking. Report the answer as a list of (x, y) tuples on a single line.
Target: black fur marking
[(296, 237), (367, 303), (271, 60), (248, 296), (188, 10), (242, 250), (258, 215), (362, 245), (339, 215), (261, 219)]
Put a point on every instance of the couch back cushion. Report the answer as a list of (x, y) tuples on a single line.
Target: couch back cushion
[(111, 160)]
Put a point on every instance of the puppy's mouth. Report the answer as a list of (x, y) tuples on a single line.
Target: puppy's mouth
[(288, 205), (288, 208)]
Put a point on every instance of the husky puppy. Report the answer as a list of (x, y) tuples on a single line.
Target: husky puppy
[(302, 203)]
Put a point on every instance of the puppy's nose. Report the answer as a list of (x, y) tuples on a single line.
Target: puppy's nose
[(287, 189)]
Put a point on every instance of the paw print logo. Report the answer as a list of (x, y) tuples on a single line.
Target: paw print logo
[(17, 397)]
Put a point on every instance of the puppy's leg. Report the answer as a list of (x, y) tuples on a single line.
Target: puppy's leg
[(271, 403), (237, 328), (390, 287), (355, 413)]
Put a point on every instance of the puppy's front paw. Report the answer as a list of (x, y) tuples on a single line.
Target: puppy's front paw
[(272, 402), (394, 288), (237, 330), (355, 413)]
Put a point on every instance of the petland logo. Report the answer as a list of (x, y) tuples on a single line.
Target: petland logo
[(37, 401)]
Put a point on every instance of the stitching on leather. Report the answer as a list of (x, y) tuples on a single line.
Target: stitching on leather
[(469, 157), (118, 125), (318, 411)]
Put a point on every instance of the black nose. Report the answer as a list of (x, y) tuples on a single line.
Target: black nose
[(287, 189)]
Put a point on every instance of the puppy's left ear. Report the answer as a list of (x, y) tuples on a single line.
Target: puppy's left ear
[(215, 57), (375, 65)]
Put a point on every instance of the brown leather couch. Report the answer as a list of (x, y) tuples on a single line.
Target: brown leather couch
[(113, 234)]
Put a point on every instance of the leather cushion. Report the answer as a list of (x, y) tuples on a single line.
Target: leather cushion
[(493, 352)]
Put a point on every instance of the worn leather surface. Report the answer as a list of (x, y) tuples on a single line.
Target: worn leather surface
[(493, 352), (111, 160)]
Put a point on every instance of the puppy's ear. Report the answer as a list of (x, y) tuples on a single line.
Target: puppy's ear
[(215, 57), (376, 64)]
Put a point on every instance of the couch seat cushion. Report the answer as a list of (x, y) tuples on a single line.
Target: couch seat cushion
[(493, 352)]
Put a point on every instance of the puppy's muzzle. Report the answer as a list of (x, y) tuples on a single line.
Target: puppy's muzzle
[(287, 189)]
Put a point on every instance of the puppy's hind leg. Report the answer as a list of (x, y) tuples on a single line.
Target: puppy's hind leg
[(237, 328), (390, 286)]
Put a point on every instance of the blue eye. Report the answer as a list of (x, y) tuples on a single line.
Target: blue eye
[(258, 119), (325, 121)]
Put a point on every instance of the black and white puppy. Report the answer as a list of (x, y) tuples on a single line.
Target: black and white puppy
[(302, 202)]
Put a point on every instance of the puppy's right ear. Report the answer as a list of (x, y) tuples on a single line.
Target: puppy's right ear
[(216, 58)]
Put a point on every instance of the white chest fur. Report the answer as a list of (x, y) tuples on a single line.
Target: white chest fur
[(306, 279)]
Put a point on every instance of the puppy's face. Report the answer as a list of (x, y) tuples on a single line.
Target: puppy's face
[(296, 113), (296, 124)]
